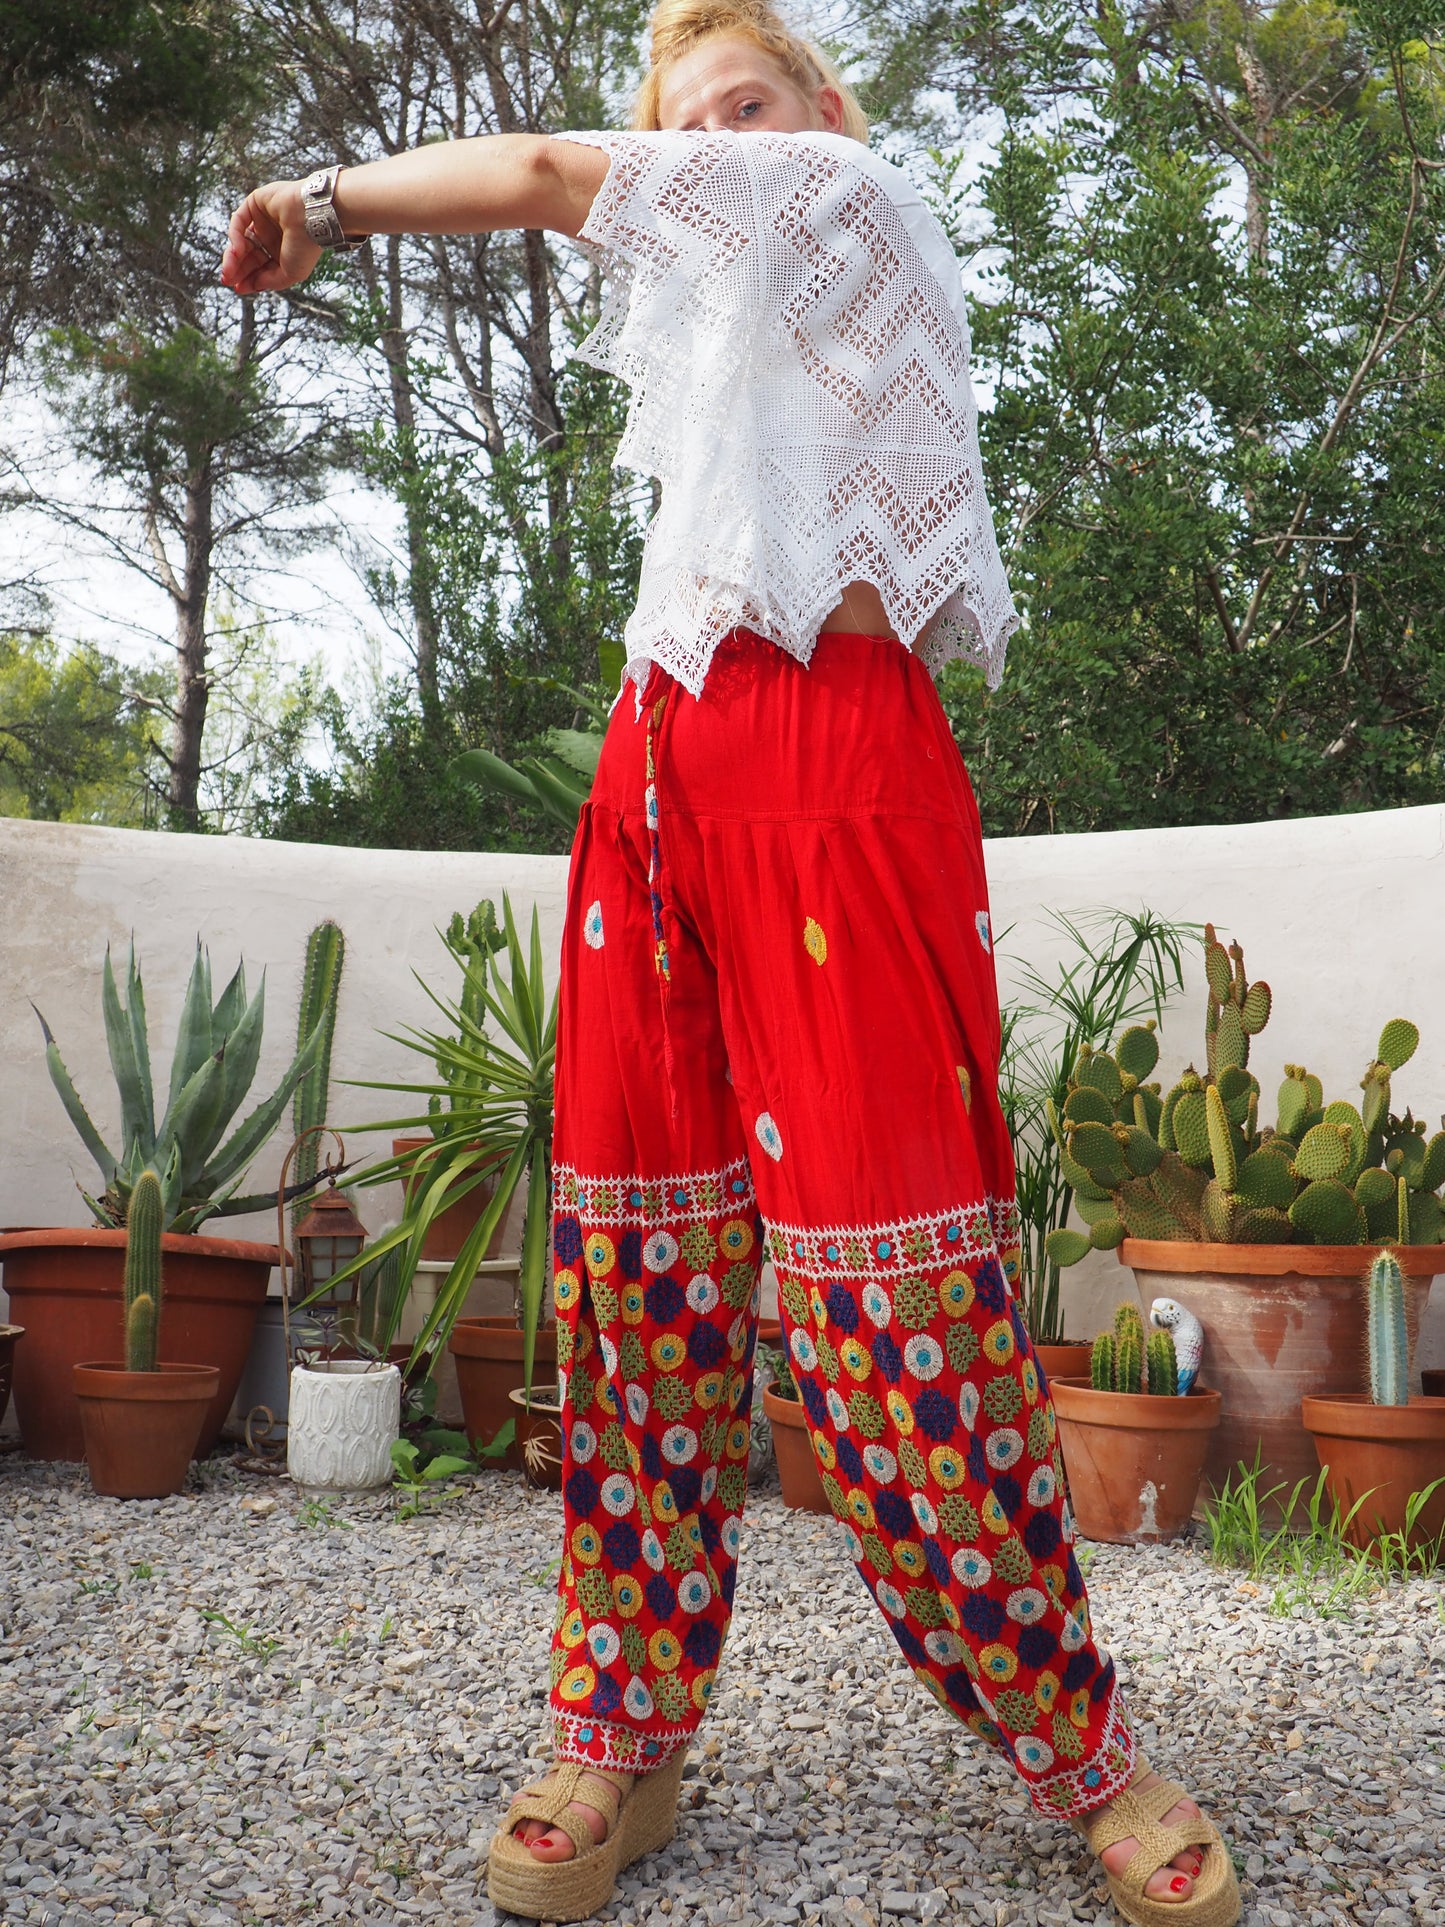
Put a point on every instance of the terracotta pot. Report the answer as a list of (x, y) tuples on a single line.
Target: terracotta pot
[(488, 1357), (1133, 1460), (1385, 1451), (344, 1418), (8, 1336), (1064, 1360), (141, 1428), (770, 1332), (66, 1286), (539, 1435), (1280, 1322), (793, 1449), (450, 1229)]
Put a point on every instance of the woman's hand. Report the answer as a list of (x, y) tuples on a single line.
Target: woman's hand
[(267, 247)]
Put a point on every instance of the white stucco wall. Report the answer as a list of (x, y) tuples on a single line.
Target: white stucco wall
[(1344, 916)]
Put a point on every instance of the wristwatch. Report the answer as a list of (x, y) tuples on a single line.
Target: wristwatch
[(323, 223)]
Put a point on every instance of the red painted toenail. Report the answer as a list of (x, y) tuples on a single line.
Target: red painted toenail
[(1178, 1884)]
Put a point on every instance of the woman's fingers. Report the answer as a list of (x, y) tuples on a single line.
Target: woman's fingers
[(267, 247)]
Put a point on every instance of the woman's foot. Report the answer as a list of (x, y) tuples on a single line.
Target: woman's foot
[(1174, 1882), (551, 1843)]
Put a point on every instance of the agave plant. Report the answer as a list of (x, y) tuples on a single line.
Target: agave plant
[(491, 1093), (200, 1168)]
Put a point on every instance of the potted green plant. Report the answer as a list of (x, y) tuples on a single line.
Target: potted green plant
[(1123, 968), (1258, 1228), (489, 1105), (141, 1419), (1133, 1447), (1381, 1447), (802, 1482), (67, 1283)]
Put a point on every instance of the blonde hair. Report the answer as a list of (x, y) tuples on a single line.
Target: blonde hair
[(678, 26)]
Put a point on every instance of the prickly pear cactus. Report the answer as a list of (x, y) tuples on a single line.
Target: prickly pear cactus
[(1195, 1163)]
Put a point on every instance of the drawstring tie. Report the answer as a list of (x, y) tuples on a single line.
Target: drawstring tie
[(661, 958)]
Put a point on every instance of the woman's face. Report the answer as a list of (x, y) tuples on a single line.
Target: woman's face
[(729, 85)]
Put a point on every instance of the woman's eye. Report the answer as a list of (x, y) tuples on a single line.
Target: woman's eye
[(748, 109)]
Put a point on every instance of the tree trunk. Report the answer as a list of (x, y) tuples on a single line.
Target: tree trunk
[(193, 688)]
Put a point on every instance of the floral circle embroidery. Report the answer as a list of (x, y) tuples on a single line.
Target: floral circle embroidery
[(877, 1306), (584, 1442), (637, 1404), (736, 1238), (601, 1255), (679, 1444), (604, 1642), (660, 1252), (1004, 1448), (970, 1568), (664, 1649), (592, 927), (999, 1663), (694, 1594), (652, 1550), (985, 935), (577, 1683), (948, 1467), (923, 1356), (618, 1495), (732, 1537), (814, 941), (944, 1648), (1033, 1755), (890, 1599), (924, 1513), (769, 1136), (702, 1293), (801, 1346), (1041, 1486), (1028, 1605), (968, 1405), (880, 1463), (586, 1545), (628, 1595), (837, 1410), (637, 1699)]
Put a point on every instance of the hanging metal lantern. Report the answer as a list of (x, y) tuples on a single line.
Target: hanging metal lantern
[(328, 1238)]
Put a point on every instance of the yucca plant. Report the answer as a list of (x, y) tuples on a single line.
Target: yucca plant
[(217, 1050), (494, 1081)]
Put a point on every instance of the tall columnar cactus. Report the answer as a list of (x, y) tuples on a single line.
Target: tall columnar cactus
[(1101, 1363), (320, 988), (143, 1226), (1387, 1339), (473, 942), (1196, 1164), (1163, 1365)]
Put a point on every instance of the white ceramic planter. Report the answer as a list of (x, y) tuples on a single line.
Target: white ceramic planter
[(345, 1417)]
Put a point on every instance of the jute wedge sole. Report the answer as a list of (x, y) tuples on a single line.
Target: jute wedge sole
[(639, 1820), (1138, 1812)]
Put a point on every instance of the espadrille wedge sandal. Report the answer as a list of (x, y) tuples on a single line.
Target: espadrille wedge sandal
[(1138, 1812), (640, 1818)]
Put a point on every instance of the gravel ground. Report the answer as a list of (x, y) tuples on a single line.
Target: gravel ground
[(215, 1714)]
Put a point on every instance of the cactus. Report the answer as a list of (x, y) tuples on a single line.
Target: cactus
[(1163, 1365), (320, 987), (1386, 1336), (1101, 1363), (143, 1225), (1195, 1163)]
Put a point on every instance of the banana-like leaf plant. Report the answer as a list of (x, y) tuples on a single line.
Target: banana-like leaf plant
[(217, 1051), (494, 1065), (559, 781)]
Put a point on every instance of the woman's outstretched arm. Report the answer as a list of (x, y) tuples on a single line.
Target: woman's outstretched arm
[(449, 187)]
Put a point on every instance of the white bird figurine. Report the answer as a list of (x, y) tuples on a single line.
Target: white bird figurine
[(1168, 1315)]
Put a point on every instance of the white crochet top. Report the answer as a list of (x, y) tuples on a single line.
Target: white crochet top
[(790, 319)]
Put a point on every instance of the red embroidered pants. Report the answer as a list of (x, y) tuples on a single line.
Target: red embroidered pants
[(779, 1036)]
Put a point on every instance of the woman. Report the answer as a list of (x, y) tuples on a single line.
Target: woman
[(778, 1022)]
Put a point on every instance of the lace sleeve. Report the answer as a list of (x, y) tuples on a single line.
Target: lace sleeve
[(790, 323)]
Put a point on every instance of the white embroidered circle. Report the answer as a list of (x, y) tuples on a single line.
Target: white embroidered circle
[(1004, 1448), (702, 1293), (583, 1442), (981, 925), (637, 1404), (592, 927), (890, 1599), (652, 1550), (877, 1306), (970, 1568), (605, 1643), (880, 1463), (660, 1252), (618, 1495), (1028, 1605), (1042, 1486), (679, 1444), (923, 1356), (924, 1513), (693, 1593), (769, 1136), (637, 1700)]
